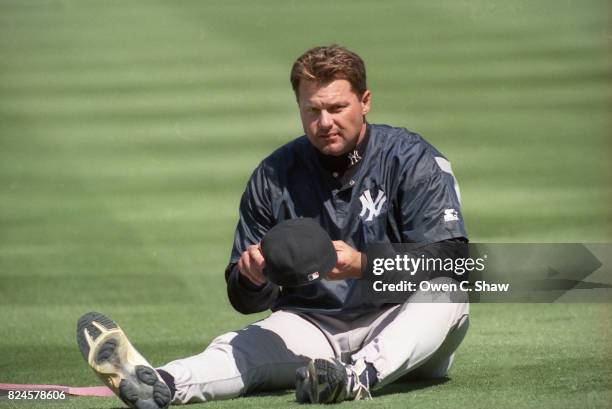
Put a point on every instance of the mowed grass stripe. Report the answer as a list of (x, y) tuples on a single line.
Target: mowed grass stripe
[(151, 165), (117, 104), (476, 51), (141, 68), (33, 66), (463, 131), (278, 99)]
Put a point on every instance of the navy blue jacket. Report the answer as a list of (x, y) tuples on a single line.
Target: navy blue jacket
[(403, 191)]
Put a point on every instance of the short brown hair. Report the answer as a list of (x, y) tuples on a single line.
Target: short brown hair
[(328, 63)]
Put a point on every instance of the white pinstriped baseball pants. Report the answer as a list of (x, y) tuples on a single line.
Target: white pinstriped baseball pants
[(416, 339)]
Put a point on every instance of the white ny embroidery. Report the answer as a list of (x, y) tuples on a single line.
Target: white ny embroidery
[(354, 157), (372, 206)]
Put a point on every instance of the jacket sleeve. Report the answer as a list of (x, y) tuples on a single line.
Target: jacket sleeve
[(255, 220), (429, 201), (246, 297)]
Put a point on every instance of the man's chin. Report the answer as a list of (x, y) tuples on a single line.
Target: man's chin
[(332, 150)]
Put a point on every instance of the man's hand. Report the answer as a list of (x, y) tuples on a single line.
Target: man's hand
[(350, 262), (251, 265)]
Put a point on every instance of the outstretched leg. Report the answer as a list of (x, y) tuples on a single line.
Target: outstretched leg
[(262, 356)]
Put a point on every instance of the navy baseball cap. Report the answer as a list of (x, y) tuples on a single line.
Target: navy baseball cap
[(297, 252)]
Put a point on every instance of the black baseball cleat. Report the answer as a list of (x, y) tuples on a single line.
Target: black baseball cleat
[(110, 354), (330, 381)]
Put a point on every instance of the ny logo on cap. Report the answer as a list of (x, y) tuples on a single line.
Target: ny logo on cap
[(372, 207)]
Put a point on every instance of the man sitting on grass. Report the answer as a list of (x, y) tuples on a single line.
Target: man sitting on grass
[(359, 183)]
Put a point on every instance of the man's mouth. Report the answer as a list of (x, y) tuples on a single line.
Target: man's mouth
[(329, 135)]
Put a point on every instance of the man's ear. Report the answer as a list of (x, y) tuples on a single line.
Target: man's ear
[(366, 100)]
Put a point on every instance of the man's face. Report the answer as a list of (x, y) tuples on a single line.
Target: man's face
[(333, 115)]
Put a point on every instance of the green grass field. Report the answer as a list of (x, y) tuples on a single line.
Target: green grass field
[(128, 131)]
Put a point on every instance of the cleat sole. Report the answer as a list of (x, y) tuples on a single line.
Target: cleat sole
[(117, 363)]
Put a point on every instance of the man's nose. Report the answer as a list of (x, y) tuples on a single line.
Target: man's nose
[(325, 119)]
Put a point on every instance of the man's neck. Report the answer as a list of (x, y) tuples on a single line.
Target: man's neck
[(337, 165)]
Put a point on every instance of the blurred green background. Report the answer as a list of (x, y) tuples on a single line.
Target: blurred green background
[(128, 131)]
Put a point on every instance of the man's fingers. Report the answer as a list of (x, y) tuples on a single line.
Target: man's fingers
[(257, 259), (250, 268), (246, 262), (342, 252), (338, 244)]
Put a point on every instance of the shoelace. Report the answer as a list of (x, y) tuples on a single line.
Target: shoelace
[(361, 391)]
